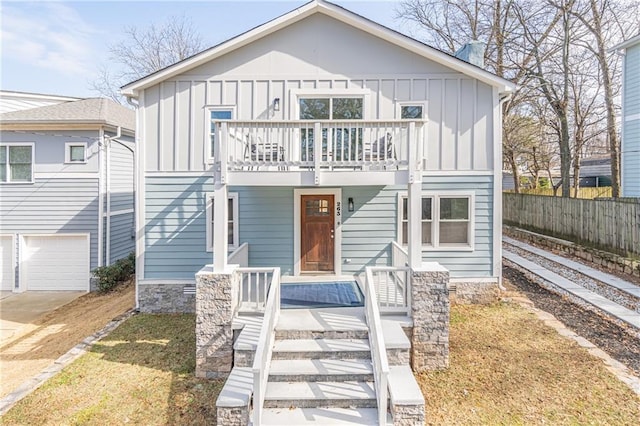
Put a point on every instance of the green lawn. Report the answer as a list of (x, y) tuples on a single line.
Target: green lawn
[(506, 368)]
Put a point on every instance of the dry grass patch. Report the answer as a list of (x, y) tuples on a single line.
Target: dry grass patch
[(142, 373), (58, 331), (507, 367)]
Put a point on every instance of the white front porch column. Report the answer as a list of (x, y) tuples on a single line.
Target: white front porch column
[(220, 230), (414, 198)]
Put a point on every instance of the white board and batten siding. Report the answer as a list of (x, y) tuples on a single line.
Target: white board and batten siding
[(630, 155), (55, 262), (459, 109)]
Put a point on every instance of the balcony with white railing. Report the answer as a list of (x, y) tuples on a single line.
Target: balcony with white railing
[(306, 151)]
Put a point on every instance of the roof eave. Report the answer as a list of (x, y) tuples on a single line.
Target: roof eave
[(504, 86), (625, 44), (58, 124)]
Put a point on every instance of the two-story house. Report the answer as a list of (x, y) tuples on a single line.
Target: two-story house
[(66, 190), (318, 161)]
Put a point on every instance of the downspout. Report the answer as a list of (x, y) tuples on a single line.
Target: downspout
[(504, 98), (108, 183), (135, 106)]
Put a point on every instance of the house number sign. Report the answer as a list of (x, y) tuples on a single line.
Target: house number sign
[(338, 211)]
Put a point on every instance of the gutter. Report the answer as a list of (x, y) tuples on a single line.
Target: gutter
[(504, 97), (136, 192), (109, 139)]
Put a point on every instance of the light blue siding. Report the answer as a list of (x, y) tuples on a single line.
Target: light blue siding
[(368, 230), (631, 122), (122, 241), (176, 226), (52, 206), (266, 223), (477, 263)]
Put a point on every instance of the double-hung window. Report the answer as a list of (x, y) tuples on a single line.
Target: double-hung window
[(446, 221), (232, 221), (215, 115), (16, 163)]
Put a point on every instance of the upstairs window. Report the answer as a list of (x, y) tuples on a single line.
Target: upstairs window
[(75, 152), (331, 108), (16, 163), (411, 111), (215, 115)]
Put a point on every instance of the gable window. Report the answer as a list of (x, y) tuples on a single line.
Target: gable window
[(215, 115), (446, 221), (75, 152), (232, 223), (412, 111), (16, 163)]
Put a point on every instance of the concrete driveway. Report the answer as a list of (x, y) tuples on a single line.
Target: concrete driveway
[(19, 311)]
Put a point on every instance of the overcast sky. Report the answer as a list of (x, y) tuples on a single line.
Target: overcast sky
[(56, 47)]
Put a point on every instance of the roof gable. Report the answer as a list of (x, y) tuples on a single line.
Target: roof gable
[(336, 12)]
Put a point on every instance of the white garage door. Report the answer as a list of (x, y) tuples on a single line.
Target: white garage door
[(56, 262), (7, 271)]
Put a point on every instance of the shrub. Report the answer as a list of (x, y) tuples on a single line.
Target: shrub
[(110, 276)]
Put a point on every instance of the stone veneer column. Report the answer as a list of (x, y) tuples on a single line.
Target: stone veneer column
[(214, 313), (430, 310)]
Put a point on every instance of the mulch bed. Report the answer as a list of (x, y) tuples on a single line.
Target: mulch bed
[(607, 336)]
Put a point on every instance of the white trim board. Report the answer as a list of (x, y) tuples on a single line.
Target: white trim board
[(337, 252), (13, 259)]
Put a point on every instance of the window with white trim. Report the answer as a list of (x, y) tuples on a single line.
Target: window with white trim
[(216, 114), (75, 152), (232, 221), (446, 221), (16, 163), (426, 221), (411, 110)]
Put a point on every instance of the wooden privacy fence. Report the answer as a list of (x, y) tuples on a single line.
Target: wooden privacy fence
[(609, 225)]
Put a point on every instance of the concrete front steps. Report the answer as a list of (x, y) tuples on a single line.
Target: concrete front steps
[(321, 371)]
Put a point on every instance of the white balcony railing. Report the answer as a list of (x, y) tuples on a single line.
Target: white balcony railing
[(328, 144)]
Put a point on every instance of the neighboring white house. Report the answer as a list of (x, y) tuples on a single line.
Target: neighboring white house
[(630, 146), (66, 192)]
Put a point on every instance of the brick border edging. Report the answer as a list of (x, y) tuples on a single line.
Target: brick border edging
[(56, 367), (619, 370)]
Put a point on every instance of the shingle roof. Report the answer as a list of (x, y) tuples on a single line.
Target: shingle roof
[(84, 111)]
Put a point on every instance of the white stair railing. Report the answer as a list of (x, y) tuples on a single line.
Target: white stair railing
[(378, 349), (392, 286), (253, 287), (262, 360)]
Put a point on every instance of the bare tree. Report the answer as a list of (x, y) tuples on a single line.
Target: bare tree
[(609, 21), (147, 50)]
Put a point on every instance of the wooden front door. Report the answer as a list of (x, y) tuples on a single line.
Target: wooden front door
[(317, 233)]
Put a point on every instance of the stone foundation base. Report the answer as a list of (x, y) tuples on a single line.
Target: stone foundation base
[(408, 415), (475, 293), (165, 298), (233, 416)]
